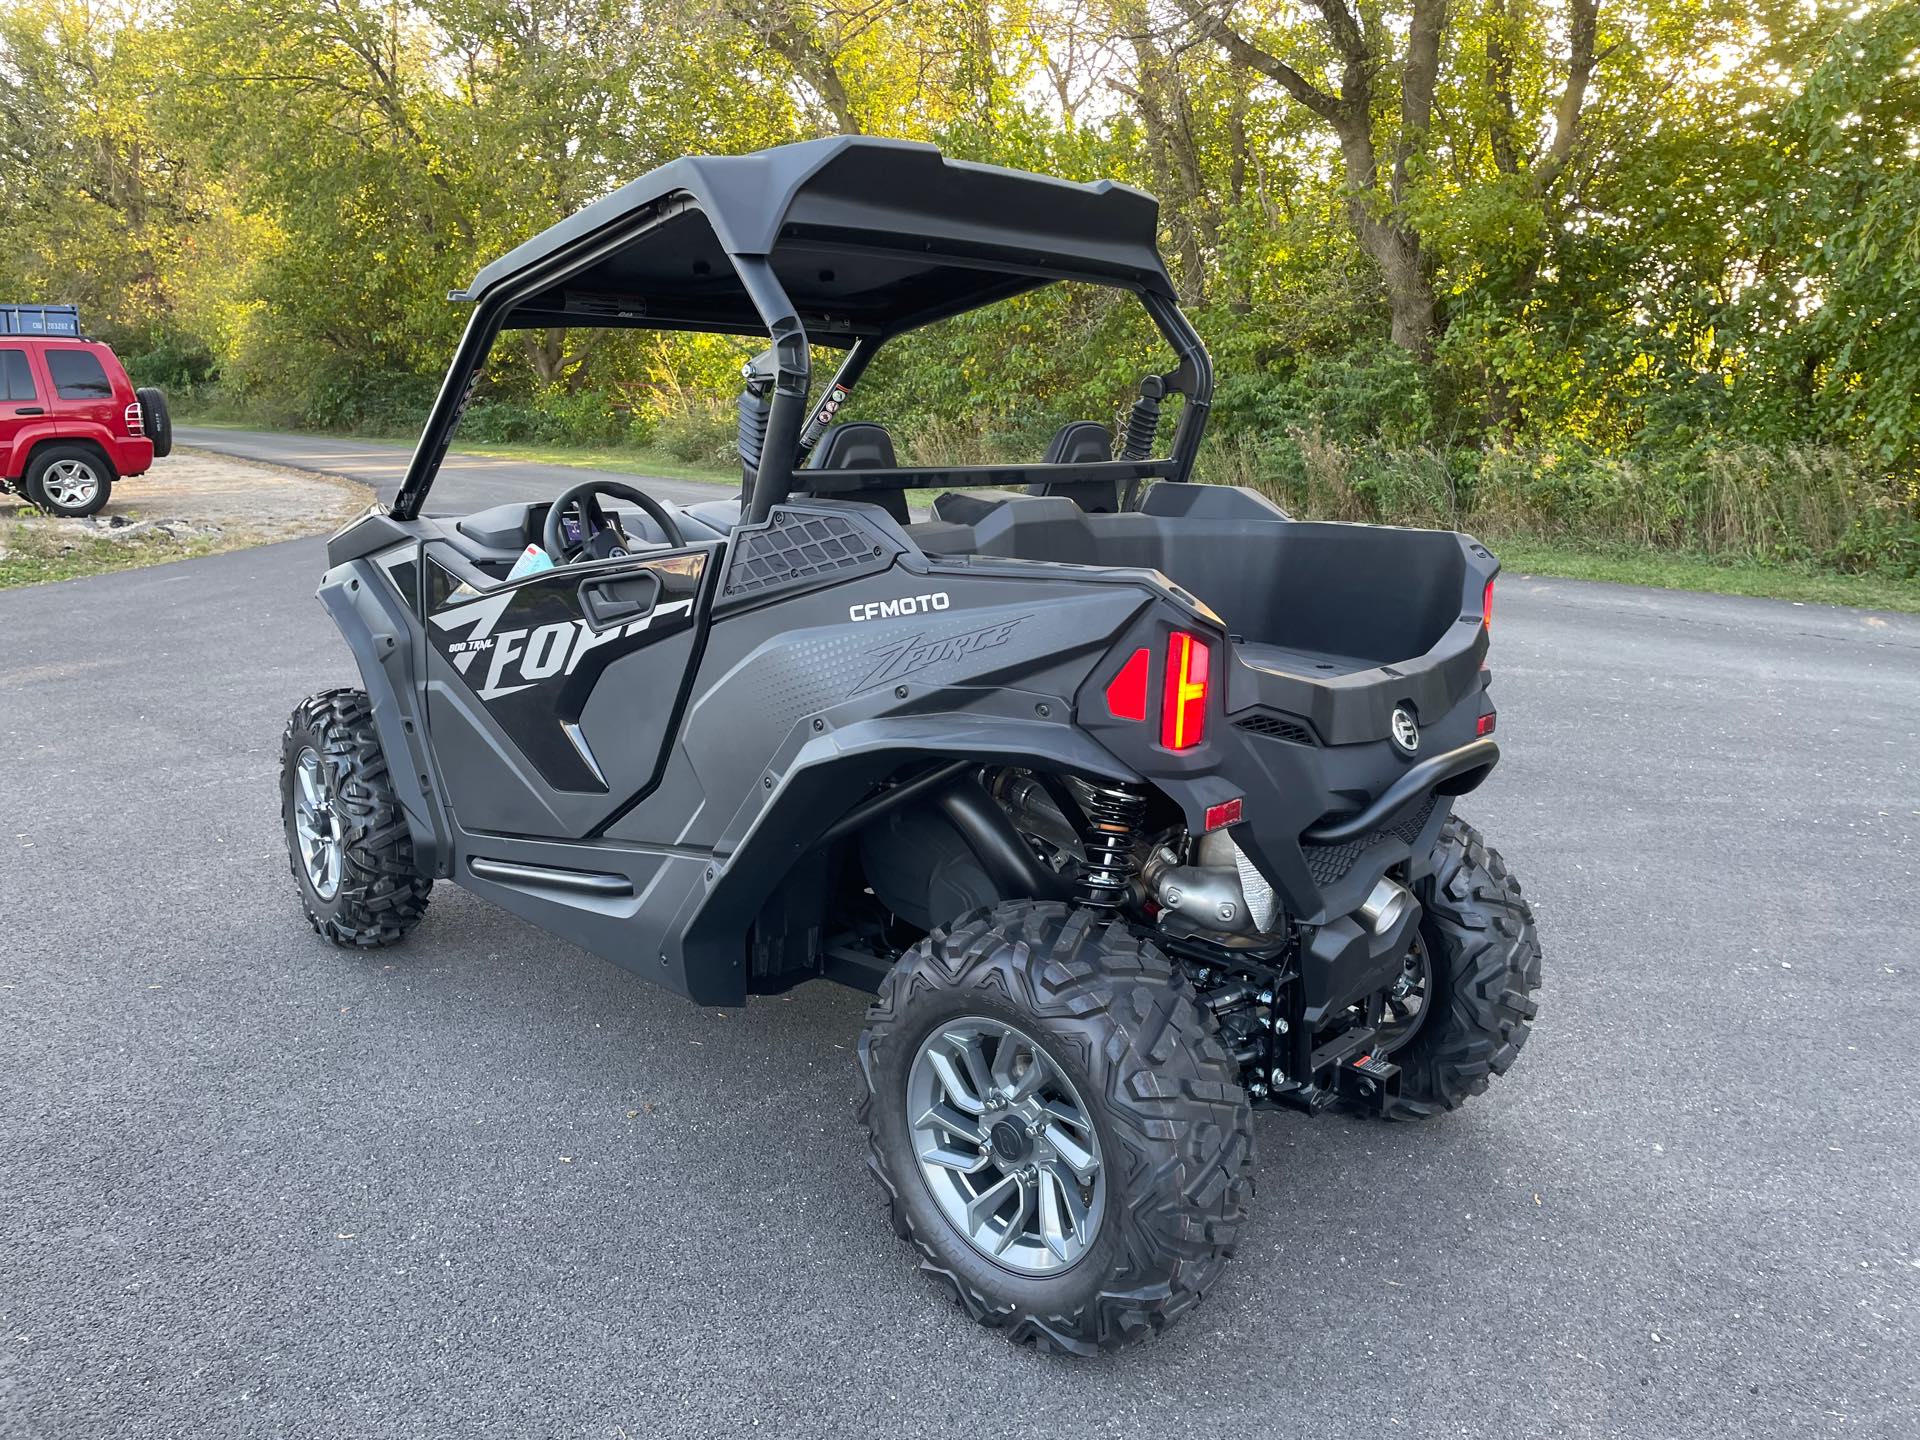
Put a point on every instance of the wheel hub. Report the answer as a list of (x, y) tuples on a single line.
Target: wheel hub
[(318, 824), (1007, 1148), (70, 482)]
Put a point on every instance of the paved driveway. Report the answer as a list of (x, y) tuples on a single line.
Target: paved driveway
[(465, 482), (486, 1185)]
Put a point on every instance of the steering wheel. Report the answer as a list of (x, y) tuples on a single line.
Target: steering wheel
[(601, 535)]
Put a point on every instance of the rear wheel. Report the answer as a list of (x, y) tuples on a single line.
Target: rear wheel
[(347, 841), (68, 480), (1463, 1006), (1059, 1131)]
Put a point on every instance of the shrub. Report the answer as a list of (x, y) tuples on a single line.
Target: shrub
[(697, 430)]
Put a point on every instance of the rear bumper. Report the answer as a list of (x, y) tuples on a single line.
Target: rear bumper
[(131, 455)]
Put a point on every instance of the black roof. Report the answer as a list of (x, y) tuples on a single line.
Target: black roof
[(866, 236)]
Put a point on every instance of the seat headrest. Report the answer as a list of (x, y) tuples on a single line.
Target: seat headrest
[(1079, 442), (856, 445)]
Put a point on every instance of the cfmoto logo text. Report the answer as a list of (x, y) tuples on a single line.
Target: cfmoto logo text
[(906, 605)]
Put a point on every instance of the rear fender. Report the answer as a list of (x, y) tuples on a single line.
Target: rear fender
[(826, 777), (28, 439), (375, 620)]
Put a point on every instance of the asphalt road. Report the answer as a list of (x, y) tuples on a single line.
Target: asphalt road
[(486, 1185), (465, 482)]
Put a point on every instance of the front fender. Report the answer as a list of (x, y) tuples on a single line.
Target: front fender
[(372, 618)]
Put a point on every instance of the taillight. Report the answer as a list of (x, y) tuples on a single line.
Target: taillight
[(1183, 712), (1486, 606), (136, 423), (1127, 691)]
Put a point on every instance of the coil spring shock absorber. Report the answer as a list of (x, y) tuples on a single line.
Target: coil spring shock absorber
[(1113, 814)]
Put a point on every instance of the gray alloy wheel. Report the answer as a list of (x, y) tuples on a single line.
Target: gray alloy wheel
[(70, 484), (1006, 1146), (1406, 1004), (317, 822)]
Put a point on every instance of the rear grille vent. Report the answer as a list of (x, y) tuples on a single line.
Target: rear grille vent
[(1329, 864), (1277, 727)]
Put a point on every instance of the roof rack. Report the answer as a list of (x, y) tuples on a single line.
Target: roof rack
[(40, 320)]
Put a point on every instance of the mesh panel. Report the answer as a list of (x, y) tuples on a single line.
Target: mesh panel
[(794, 547), (1277, 727), (1328, 864)]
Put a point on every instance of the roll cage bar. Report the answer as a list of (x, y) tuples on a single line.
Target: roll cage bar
[(524, 299)]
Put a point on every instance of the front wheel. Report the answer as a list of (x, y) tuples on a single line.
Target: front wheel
[(347, 840), (1464, 1005), (1058, 1129)]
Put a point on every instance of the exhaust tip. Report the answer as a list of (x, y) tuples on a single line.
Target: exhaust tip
[(1385, 906)]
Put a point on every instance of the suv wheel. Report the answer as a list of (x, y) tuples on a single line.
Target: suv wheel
[(1059, 1131), (68, 480), (347, 842)]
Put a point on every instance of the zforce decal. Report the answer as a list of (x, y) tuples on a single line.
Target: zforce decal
[(522, 657), (528, 653), (917, 652)]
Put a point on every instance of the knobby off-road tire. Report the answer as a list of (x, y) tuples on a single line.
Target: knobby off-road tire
[(1483, 959), (379, 893), (1174, 1128)]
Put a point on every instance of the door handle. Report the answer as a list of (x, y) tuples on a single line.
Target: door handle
[(30, 410), (616, 600)]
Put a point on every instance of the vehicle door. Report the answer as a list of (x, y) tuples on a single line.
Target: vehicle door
[(551, 700), (23, 407)]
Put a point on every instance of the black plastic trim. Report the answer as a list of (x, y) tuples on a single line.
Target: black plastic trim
[(1428, 775)]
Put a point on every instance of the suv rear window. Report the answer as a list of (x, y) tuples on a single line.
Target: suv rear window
[(16, 380), (78, 375)]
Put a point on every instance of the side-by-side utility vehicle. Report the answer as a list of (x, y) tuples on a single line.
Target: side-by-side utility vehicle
[(1130, 799)]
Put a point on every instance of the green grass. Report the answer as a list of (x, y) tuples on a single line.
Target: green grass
[(1622, 564), (36, 552), (1670, 570)]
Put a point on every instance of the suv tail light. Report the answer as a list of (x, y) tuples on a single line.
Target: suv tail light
[(1486, 606), (1183, 712), (136, 423)]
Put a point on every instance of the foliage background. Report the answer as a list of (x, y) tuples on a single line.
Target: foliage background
[(1642, 273)]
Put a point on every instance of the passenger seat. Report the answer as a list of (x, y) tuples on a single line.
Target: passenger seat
[(860, 445), (1081, 442)]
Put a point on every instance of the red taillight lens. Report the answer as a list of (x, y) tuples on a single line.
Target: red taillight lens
[(1183, 713), (1127, 691), (1486, 606), (1485, 724)]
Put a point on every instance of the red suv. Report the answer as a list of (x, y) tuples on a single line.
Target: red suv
[(71, 422)]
